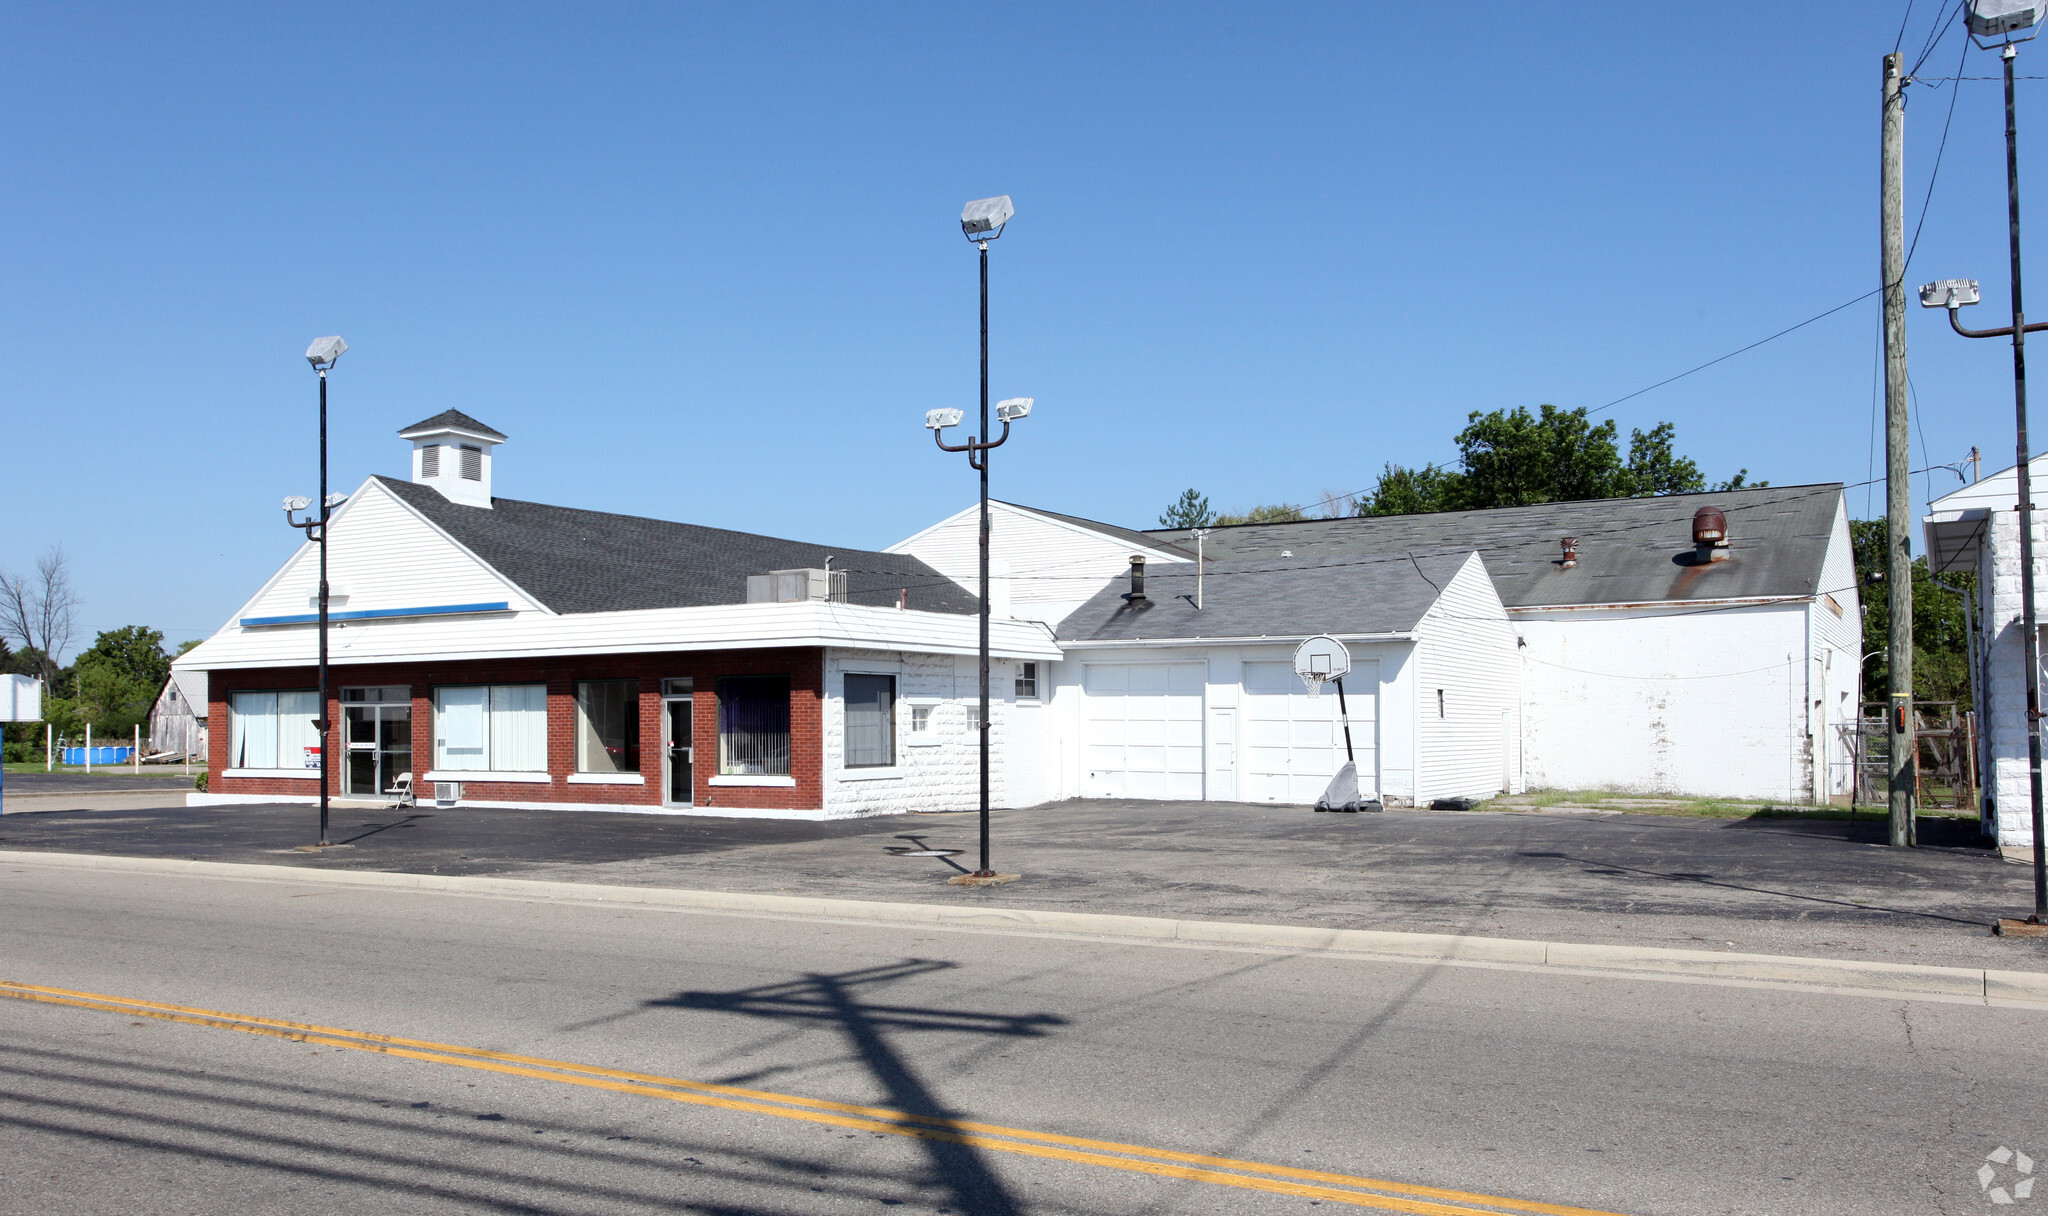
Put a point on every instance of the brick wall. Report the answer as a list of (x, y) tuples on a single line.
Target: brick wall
[(804, 667)]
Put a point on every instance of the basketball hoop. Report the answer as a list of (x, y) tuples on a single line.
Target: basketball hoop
[(1320, 660)]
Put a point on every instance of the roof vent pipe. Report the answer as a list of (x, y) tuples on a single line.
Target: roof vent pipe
[(1709, 535), (1136, 595), (1570, 545)]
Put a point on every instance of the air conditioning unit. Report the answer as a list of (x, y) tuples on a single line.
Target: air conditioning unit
[(447, 793), (796, 586)]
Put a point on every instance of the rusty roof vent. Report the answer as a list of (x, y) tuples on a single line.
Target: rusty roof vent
[(1571, 551), (1136, 595), (1710, 535)]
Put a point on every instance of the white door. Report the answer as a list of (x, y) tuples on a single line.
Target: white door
[(1143, 736), (1293, 743)]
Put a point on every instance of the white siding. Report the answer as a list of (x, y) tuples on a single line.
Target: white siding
[(1469, 682), (1667, 700), (1051, 566), (382, 554)]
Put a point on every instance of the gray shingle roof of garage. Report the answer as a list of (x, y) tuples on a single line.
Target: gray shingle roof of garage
[(591, 561), (1270, 597), (1631, 550)]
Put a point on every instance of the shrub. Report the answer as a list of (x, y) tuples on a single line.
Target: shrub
[(199, 782)]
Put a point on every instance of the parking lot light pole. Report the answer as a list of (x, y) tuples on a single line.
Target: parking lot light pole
[(982, 221), (322, 354)]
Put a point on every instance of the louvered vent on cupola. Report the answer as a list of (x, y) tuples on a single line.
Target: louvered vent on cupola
[(464, 477)]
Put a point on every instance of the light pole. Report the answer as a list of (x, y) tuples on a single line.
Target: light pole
[(982, 221), (322, 354), (1998, 19)]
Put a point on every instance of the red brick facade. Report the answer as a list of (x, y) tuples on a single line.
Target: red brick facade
[(804, 667)]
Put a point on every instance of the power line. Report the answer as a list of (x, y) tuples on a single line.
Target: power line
[(1743, 350)]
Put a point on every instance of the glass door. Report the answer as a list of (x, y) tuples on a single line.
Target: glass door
[(677, 789), (377, 728)]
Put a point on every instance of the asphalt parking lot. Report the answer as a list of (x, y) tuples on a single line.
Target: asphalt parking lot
[(1772, 885)]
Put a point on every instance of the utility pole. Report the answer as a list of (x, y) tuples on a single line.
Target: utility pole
[(1897, 458)]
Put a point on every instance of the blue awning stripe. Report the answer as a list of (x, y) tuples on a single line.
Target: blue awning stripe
[(366, 614)]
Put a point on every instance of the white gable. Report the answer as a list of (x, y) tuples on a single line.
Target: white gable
[(384, 558), (1051, 566)]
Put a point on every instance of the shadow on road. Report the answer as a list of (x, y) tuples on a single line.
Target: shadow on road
[(1708, 880), (833, 1000)]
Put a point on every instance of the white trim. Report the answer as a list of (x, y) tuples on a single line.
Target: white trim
[(606, 779), (784, 782), (880, 772), (292, 774), (479, 774), (1260, 640), (922, 738), (1759, 601)]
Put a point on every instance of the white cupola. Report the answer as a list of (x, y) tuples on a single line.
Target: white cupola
[(452, 453)]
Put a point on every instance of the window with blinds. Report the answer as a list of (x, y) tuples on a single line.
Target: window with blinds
[(491, 727), (472, 463), (870, 721), (273, 729), (753, 726)]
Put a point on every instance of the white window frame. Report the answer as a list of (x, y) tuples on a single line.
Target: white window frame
[(895, 732), (485, 768), (266, 710)]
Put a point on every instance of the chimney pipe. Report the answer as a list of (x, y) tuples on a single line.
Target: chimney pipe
[(1136, 595), (1570, 544), (1710, 535)]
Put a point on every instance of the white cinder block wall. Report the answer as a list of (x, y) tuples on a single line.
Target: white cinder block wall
[(937, 771), (2006, 691), (1668, 700)]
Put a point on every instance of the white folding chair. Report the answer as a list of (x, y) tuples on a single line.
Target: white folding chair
[(403, 792)]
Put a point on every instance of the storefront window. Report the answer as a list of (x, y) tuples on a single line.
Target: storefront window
[(491, 727), (753, 726), (608, 726)]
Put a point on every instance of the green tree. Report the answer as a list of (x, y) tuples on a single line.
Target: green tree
[(1276, 513), (116, 680), (1941, 627), (188, 644), (1190, 510), (1513, 458)]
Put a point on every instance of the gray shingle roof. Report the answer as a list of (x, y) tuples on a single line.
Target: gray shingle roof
[(1267, 597), (591, 561), (454, 418), (1156, 541), (1631, 550)]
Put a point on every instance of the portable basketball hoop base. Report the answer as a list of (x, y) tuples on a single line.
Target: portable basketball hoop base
[(1320, 660)]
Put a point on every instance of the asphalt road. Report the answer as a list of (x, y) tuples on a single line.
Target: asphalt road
[(1336, 1079), (1767, 885)]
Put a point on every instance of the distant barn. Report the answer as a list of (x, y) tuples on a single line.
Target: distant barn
[(177, 723)]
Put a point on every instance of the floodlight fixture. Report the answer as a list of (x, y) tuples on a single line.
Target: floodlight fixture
[(335, 500), (939, 420), (983, 219), (325, 351), (1949, 293), (1013, 409), (2000, 18), (296, 502)]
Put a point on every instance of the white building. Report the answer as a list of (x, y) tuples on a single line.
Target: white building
[(1976, 530), (1645, 663)]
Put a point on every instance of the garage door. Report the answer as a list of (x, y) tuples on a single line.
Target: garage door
[(1293, 743), (1143, 737)]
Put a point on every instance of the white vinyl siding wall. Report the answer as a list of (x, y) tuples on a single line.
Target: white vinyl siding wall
[(1051, 567), (382, 555), (1467, 649)]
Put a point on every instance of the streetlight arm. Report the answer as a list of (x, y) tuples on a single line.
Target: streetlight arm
[(2003, 331), (938, 437)]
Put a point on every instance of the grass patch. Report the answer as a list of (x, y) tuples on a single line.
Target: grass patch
[(110, 770), (1625, 803)]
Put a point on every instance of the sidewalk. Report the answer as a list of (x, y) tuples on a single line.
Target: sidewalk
[(1768, 886)]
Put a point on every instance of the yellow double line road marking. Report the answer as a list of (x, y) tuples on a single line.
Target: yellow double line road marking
[(1165, 1163)]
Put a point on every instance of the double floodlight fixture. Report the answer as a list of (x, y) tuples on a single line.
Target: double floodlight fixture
[(1949, 293), (1013, 409), (1999, 19), (325, 351), (296, 502), (939, 420), (335, 500), (983, 219)]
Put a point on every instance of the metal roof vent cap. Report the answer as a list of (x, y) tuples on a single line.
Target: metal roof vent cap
[(1710, 535), (1136, 595), (1570, 545)]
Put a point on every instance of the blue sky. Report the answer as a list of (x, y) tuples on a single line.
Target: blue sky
[(703, 263)]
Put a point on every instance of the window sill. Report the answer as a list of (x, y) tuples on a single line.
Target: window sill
[(606, 779), (738, 780), (297, 774), (879, 773), (921, 741), (478, 774)]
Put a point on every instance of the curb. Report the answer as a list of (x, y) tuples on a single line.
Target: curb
[(2028, 988)]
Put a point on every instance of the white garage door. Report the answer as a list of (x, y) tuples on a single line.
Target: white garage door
[(1293, 743), (1144, 730)]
